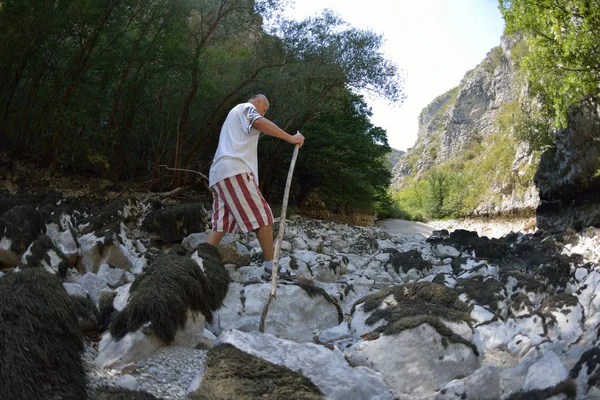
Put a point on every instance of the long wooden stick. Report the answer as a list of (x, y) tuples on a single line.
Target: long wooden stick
[(275, 270)]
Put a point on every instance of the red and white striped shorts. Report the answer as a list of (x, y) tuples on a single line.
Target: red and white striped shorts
[(238, 204)]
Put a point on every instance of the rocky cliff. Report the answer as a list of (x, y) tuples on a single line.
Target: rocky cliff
[(469, 130), (568, 174)]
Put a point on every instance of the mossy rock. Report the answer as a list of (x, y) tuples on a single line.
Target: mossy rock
[(518, 301), (38, 256), (556, 304), (469, 241), (233, 374), (542, 259), (314, 291), (526, 282), (174, 223), (168, 288), (106, 308), (408, 260), (22, 225), (87, 313), (486, 292), (40, 340), (416, 304), (590, 360)]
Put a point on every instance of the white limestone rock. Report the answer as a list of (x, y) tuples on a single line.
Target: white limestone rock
[(113, 276), (416, 361), (95, 252), (94, 285), (493, 335), (294, 314), (547, 372), (142, 343), (65, 242), (327, 369), (122, 297), (191, 242), (483, 384)]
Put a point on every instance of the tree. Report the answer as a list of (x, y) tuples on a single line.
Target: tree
[(344, 159), (564, 42)]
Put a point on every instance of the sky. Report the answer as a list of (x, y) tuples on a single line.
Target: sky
[(433, 42)]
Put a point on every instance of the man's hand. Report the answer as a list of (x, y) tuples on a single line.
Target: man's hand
[(298, 139)]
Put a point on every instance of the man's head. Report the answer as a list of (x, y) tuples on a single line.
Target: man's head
[(260, 102)]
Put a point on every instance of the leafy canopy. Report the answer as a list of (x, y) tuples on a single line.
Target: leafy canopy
[(564, 42)]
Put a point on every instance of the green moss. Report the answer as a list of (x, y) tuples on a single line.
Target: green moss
[(398, 326), (416, 304), (233, 374), (527, 282), (408, 260), (168, 288), (40, 340), (487, 292), (520, 300)]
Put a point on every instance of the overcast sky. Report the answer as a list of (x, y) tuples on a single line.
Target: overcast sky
[(434, 42)]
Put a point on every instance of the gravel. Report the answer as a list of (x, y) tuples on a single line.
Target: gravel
[(167, 374)]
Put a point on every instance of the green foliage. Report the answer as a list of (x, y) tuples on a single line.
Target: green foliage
[(518, 52), (456, 188), (441, 105), (344, 157), (120, 88), (493, 59), (562, 61)]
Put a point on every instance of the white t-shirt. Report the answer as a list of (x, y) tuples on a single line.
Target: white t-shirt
[(238, 143)]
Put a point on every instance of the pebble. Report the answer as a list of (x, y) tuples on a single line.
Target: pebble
[(167, 374)]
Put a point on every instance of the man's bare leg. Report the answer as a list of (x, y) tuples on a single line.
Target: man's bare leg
[(214, 238), (265, 239)]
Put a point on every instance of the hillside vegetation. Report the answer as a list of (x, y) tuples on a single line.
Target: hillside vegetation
[(122, 88), (470, 157), (480, 143)]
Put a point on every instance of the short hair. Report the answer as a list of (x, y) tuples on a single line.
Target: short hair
[(258, 97)]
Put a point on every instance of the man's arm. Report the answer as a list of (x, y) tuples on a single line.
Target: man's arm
[(266, 126)]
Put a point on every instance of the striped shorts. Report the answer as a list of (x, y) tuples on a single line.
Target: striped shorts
[(239, 205)]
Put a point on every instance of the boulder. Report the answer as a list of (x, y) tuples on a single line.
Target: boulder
[(37, 314), (297, 312), (105, 247), (174, 223), (19, 227), (42, 253), (417, 336), (327, 369), (232, 373), (168, 303)]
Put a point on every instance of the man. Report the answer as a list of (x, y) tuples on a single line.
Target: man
[(233, 179)]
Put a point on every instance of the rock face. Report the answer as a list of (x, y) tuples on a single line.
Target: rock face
[(461, 124), (567, 176)]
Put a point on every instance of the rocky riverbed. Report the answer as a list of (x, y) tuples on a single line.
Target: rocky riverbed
[(373, 313)]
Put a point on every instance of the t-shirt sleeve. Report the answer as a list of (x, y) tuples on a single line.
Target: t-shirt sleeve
[(250, 114)]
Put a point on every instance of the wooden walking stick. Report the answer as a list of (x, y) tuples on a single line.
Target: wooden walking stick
[(275, 270)]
